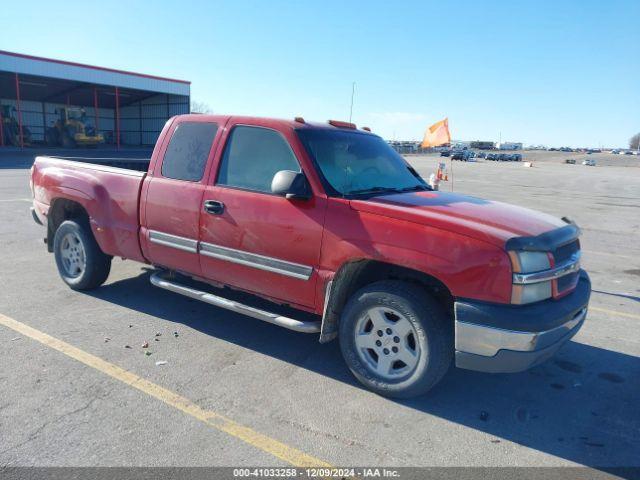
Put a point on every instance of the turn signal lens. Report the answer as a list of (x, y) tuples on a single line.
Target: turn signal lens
[(533, 292)]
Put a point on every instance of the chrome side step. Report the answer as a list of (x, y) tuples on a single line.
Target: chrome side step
[(159, 280)]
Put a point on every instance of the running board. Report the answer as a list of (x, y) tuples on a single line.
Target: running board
[(158, 280)]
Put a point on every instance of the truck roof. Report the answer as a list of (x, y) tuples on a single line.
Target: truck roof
[(294, 123)]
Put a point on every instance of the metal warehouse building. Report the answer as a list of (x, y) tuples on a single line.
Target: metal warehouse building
[(126, 108)]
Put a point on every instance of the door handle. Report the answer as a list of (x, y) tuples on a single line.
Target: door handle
[(214, 207)]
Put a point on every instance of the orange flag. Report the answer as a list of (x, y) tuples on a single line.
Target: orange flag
[(437, 134)]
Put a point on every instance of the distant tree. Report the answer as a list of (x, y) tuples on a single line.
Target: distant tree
[(200, 107), (634, 142)]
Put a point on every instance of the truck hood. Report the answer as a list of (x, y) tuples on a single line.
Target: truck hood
[(486, 220)]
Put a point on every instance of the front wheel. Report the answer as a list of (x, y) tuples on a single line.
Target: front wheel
[(396, 339), (81, 263), (68, 141)]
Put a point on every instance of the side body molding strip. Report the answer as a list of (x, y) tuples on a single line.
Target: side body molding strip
[(261, 262), (254, 260), (174, 241)]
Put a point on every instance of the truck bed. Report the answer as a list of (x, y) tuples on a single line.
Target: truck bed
[(108, 189), (137, 164)]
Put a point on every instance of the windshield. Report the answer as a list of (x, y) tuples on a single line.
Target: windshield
[(353, 163), (75, 114)]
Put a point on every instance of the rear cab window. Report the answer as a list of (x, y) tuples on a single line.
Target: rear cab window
[(252, 156), (188, 150)]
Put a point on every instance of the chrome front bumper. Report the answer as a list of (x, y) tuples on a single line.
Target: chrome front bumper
[(484, 341)]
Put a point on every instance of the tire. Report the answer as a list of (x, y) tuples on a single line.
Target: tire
[(67, 141), (11, 138), (26, 134), (427, 347), (51, 137), (81, 264)]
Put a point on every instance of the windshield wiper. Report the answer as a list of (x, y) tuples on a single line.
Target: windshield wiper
[(366, 191), (372, 190), (415, 187)]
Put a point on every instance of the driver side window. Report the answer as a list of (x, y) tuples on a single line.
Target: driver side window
[(252, 156)]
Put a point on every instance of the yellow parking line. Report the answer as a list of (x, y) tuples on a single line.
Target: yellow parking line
[(278, 449), (614, 312)]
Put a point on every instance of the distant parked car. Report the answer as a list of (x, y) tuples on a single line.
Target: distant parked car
[(491, 156), (445, 153), (464, 155), (570, 161), (628, 152), (589, 162), (481, 155), (503, 157), (457, 155), (516, 157)]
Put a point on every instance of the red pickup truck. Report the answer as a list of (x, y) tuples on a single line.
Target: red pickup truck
[(335, 229)]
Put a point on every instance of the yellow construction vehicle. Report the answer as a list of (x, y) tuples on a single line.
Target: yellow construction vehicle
[(11, 128), (72, 130)]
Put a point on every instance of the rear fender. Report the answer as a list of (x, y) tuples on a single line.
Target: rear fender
[(107, 198)]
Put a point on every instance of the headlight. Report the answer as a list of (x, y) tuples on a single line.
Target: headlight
[(530, 262)]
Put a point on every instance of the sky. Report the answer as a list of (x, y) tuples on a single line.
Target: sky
[(558, 73)]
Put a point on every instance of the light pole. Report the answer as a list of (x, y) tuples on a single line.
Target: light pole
[(353, 92)]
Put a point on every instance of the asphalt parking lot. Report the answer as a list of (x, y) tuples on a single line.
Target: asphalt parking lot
[(239, 392)]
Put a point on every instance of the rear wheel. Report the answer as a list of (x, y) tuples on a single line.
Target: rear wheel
[(67, 141), (81, 263), (51, 137), (11, 136), (396, 339)]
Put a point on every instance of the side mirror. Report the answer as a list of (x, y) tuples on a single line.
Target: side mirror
[(292, 185)]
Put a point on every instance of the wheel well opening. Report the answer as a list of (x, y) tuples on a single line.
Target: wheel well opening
[(355, 275), (61, 210)]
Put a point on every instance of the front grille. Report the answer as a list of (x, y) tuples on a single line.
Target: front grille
[(563, 253)]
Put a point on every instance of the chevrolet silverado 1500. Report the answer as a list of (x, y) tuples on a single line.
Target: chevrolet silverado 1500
[(330, 222)]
